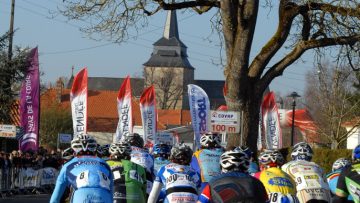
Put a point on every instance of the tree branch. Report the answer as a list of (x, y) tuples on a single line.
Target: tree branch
[(187, 4), (299, 49)]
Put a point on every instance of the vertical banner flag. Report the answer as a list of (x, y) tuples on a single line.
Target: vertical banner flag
[(78, 100), (124, 107), (259, 139), (148, 115), (199, 110), (30, 104), (271, 122)]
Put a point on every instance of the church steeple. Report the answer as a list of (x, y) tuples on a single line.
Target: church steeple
[(171, 26)]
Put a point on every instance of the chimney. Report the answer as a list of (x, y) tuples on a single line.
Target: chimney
[(59, 89)]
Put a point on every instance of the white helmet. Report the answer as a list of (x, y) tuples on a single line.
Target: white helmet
[(210, 140), (271, 158), (121, 149), (84, 143), (302, 151), (340, 163), (234, 160)]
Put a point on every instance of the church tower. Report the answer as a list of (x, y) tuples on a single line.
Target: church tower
[(168, 68)]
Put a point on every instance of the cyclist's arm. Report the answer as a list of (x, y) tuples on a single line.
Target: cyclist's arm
[(61, 184), (155, 191), (341, 188), (194, 164)]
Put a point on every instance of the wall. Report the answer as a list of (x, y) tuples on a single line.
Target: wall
[(353, 139)]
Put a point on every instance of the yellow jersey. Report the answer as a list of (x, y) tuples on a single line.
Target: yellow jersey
[(276, 181)]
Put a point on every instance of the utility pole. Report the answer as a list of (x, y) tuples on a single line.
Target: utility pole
[(11, 30)]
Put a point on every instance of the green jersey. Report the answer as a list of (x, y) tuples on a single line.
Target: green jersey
[(129, 181)]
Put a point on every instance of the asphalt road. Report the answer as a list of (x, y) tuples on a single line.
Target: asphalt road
[(26, 199)]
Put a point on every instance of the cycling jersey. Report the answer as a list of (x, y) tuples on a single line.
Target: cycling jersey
[(253, 167), (181, 183), (206, 163), (143, 158), (160, 162), (129, 181), (89, 176), (349, 182), (309, 180), (332, 179), (233, 187)]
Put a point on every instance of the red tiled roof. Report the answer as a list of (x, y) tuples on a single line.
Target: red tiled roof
[(102, 110), (353, 122)]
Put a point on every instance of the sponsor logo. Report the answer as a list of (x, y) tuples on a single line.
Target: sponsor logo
[(279, 181)]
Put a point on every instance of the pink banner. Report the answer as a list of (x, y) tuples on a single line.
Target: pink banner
[(30, 105), (271, 122), (78, 99), (124, 106), (148, 115)]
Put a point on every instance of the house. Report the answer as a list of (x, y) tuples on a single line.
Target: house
[(353, 127)]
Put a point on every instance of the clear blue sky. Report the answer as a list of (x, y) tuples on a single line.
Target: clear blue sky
[(62, 45)]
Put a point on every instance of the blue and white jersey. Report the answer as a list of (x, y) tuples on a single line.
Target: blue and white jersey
[(160, 162), (181, 183), (89, 176), (142, 158)]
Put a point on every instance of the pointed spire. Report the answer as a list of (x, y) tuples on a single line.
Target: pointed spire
[(171, 26), (72, 71)]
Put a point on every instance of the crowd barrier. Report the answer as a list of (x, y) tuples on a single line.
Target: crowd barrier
[(17, 180)]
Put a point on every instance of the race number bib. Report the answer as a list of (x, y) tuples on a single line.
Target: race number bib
[(135, 176), (82, 180), (104, 180)]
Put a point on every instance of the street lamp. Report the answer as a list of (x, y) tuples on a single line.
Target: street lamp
[(293, 95)]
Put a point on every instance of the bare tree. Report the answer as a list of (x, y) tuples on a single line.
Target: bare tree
[(169, 90), (303, 25), (329, 95)]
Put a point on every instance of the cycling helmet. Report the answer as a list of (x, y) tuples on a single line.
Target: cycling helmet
[(234, 160), (135, 140), (105, 150), (120, 150), (210, 140), (67, 154), (340, 163), (162, 150), (247, 150), (181, 154), (271, 158), (84, 143), (356, 153), (302, 151)]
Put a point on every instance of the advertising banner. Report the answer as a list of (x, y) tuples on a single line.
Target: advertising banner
[(148, 115)]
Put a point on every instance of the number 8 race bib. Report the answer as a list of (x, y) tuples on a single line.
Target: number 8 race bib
[(82, 180)]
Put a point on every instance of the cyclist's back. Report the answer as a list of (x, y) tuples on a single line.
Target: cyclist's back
[(279, 186), (349, 180), (234, 184), (88, 175), (205, 161), (333, 176), (180, 180), (308, 176), (129, 178)]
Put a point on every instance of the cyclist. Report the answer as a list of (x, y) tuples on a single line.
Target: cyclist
[(348, 182), (161, 153), (180, 180), (308, 176), (205, 161), (129, 178), (104, 149), (279, 185), (333, 176), (67, 155), (141, 156), (88, 175), (234, 184), (253, 167)]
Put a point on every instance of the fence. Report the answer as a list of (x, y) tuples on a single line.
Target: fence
[(20, 180)]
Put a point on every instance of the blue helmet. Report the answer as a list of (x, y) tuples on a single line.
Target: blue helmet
[(162, 150), (356, 153)]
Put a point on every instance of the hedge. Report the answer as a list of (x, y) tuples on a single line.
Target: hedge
[(323, 157)]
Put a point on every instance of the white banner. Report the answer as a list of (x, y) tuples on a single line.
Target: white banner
[(199, 110), (225, 121), (124, 107), (165, 138), (8, 131), (78, 99), (148, 115), (271, 124)]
